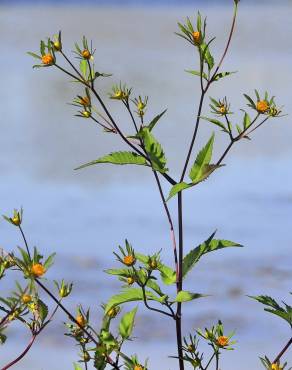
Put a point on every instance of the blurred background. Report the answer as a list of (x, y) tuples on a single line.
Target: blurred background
[(85, 215)]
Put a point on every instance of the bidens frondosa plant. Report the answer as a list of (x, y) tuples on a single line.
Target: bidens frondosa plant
[(145, 278)]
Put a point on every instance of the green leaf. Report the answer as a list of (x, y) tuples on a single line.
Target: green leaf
[(49, 261), (42, 310), (246, 121), (185, 296), (210, 245), (199, 22), (42, 48), (77, 367), (197, 73), (83, 67), (129, 295), (252, 104), (203, 159), (207, 55), (155, 120), (127, 324), (154, 150), (222, 75), (215, 122), (118, 272), (34, 55), (119, 158), (168, 275), (177, 188), (154, 286)]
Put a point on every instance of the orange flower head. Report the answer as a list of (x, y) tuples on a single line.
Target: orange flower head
[(48, 59), (85, 101), (197, 37), (81, 320), (26, 298), (276, 367), (262, 106), (129, 260), (138, 367), (37, 269), (130, 280), (86, 54), (222, 341)]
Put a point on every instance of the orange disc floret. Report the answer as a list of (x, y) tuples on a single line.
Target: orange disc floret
[(81, 320), (138, 367), (276, 367), (47, 59), (222, 341), (26, 298), (262, 106), (86, 54), (37, 269), (85, 101), (197, 37), (129, 260)]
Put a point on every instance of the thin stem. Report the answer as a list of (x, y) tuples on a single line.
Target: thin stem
[(228, 43), (131, 115), (25, 241), (22, 354), (283, 351), (209, 362), (172, 234), (72, 65), (179, 284), (69, 74), (101, 124), (217, 360), (152, 308)]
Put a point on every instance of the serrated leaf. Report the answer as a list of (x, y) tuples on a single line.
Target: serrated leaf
[(119, 158), (197, 73), (202, 159), (154, 286), (129, 295), (222, 75), (42, 310), (152, 124), (127, 324), (154, 150), (177, 188), (210, 245), (185, 296), (168, 275)]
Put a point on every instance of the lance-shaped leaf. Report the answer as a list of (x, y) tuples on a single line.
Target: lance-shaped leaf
[(127, 324), (216, 122), (203, 159), (208, 58), (185, 296), (177, 188), (210, 245), (154, 150), (153, 123), (83, 67), (129, 295), (274, 307), (246, 121), (118, 272), (197, 73), (119, 158)]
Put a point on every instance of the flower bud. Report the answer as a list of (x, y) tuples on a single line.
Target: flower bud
[(37, 269)]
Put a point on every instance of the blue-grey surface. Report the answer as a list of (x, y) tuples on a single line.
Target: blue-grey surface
[(84, 215)]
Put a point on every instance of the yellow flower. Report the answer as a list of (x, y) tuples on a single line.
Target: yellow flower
[(81, 320), (16, 219), (86, 114), (222, 341), (129, 260), (26, 298), (141, 106), (57, 45), (130, 280), (276, 367), (37, 269), (197, 37), (262, 106), (86, 54), (113, 312), (47, 59), (223, 109)]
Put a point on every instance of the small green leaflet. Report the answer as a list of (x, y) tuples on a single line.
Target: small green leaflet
[(83, 67), (185, 296), (210, 245), (153, 123), (154, 150), (77, 367), (215, 122), (119, 158), (207, 55), (222, 75), (246, 121), (197, 73), (200, 170), (127, 324), (203, 159), (129, 295)]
